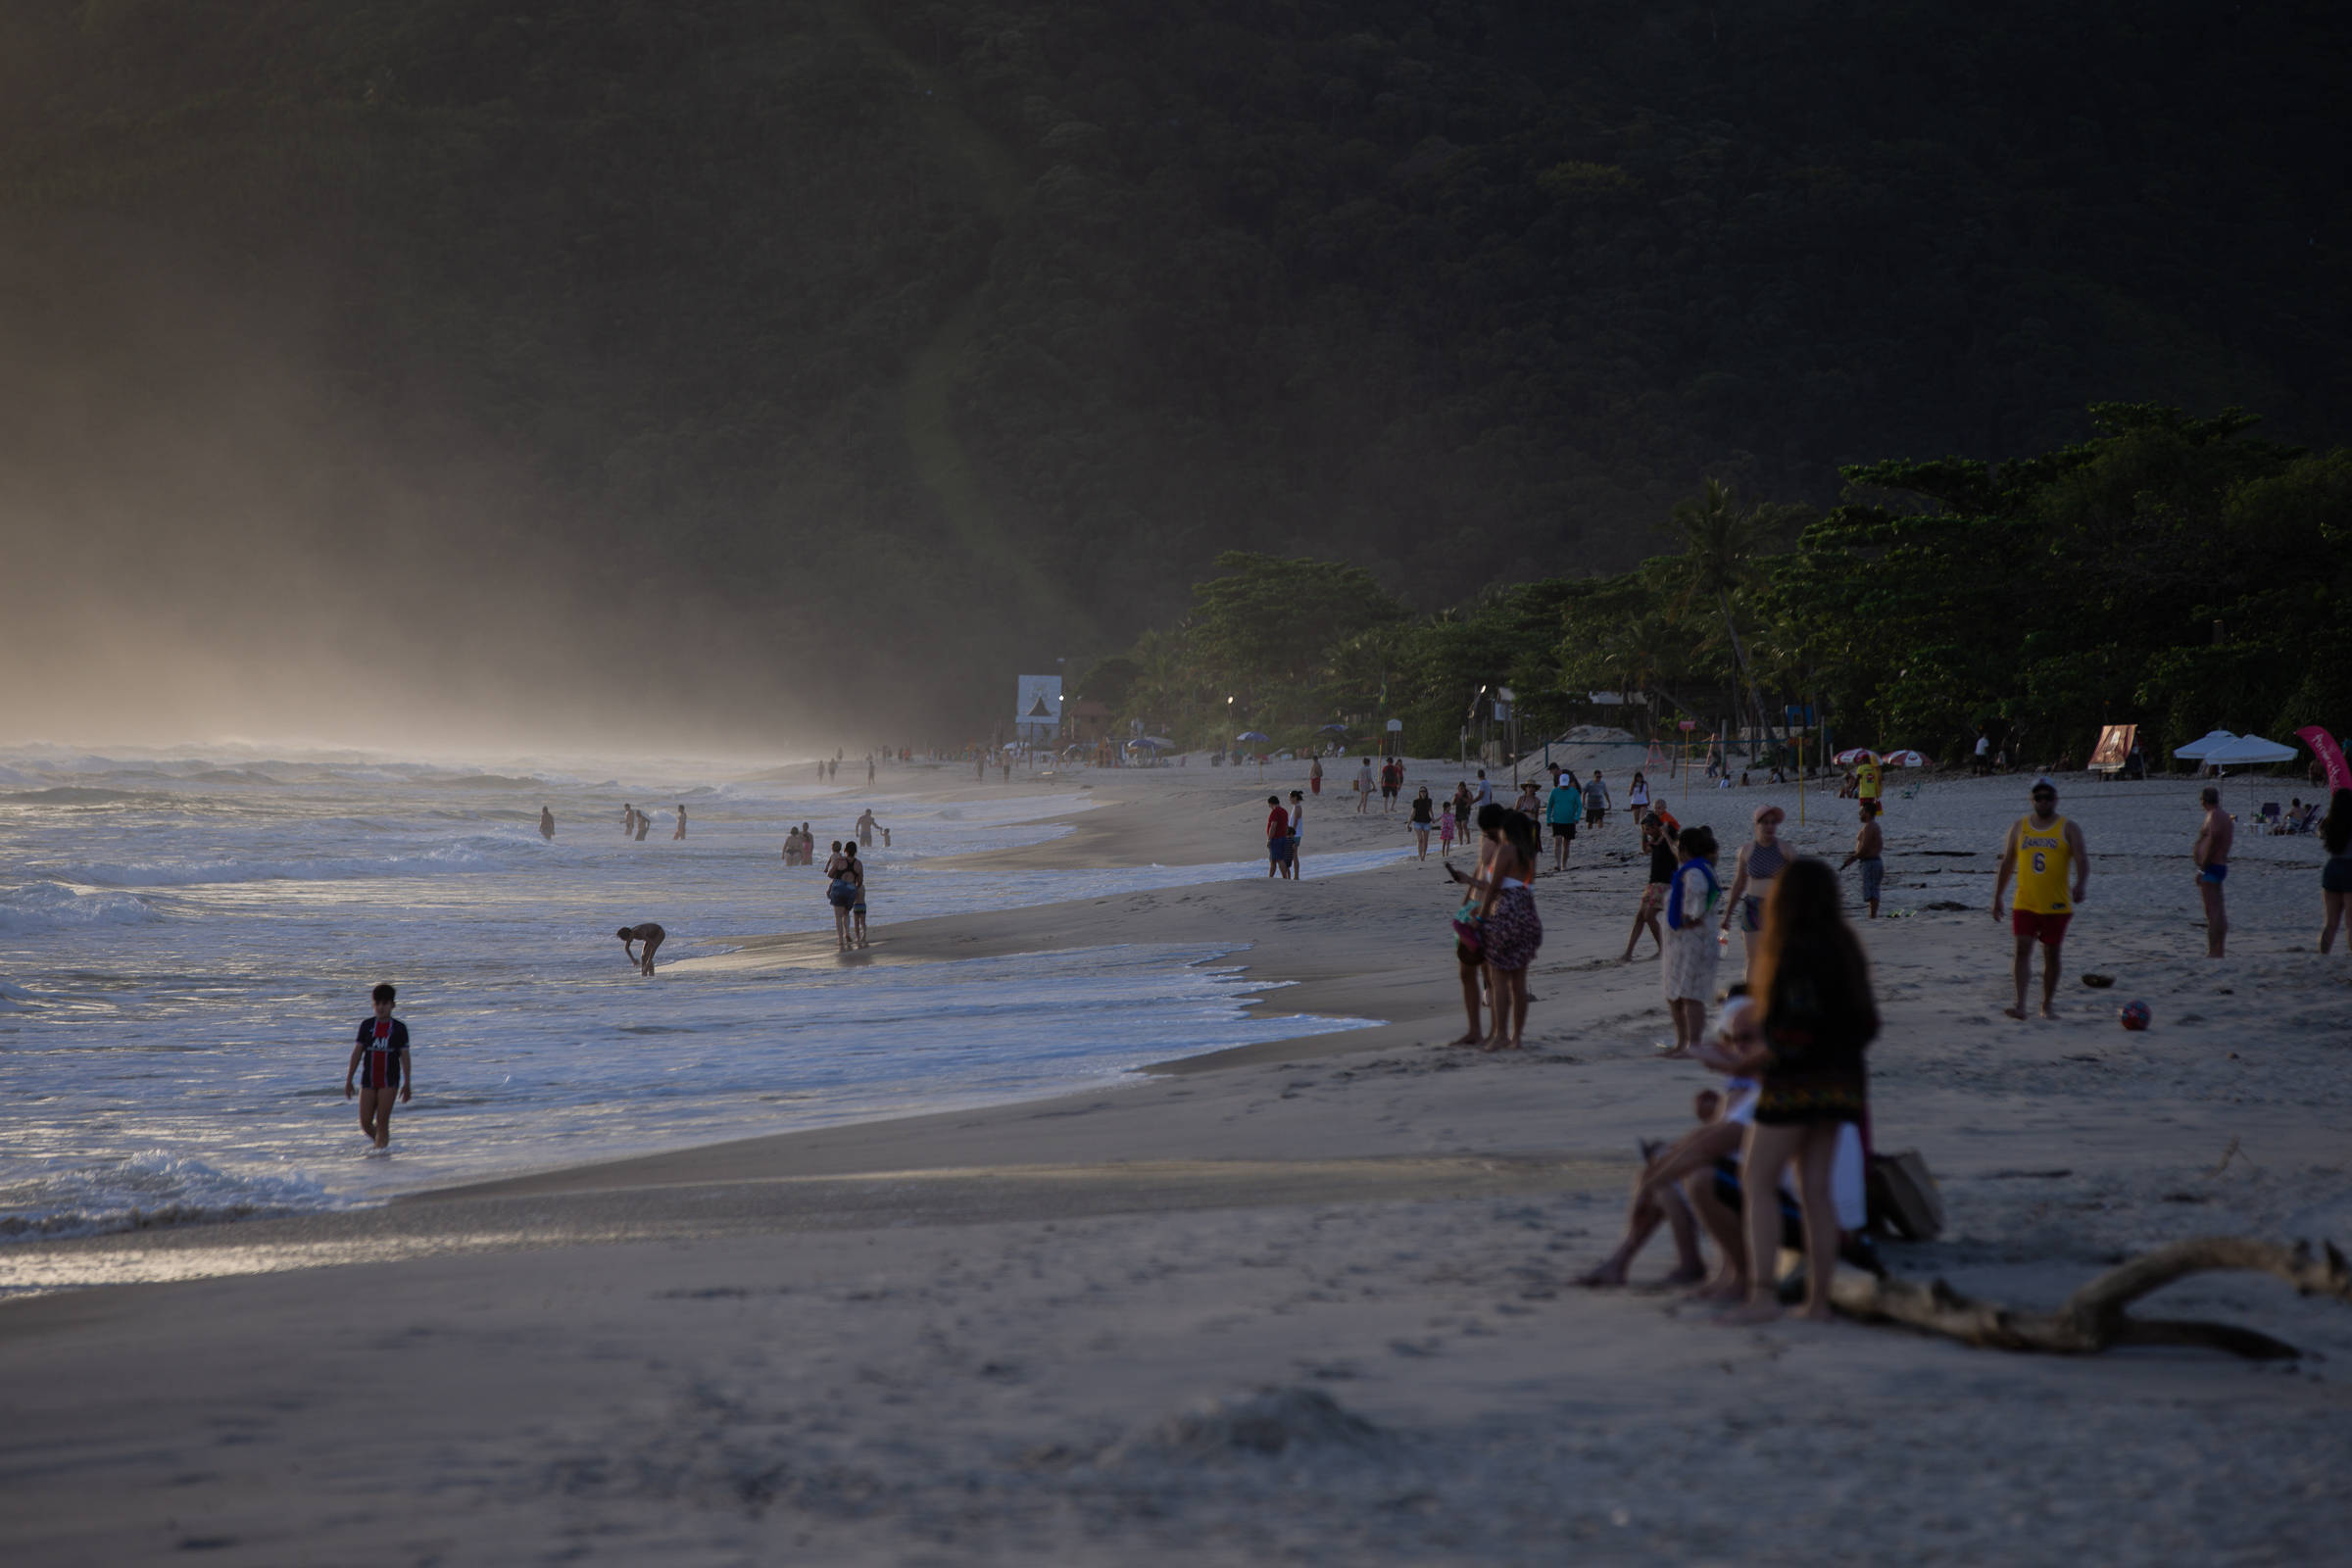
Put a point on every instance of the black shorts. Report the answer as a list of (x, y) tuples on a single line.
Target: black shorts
[(1563, 830)]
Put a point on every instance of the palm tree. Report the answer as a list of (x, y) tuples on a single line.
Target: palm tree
[(1721, 541)]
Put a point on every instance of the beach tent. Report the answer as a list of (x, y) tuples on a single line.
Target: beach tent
[(2247, 751), (2195, 750)]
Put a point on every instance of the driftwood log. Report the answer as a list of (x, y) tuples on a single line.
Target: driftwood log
[(2098, 1316)]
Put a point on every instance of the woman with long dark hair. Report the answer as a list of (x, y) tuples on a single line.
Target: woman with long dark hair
[(1812, 987), (1511, 928), (2335, 877)]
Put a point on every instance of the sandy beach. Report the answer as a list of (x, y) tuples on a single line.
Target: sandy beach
[(1304, 1301)]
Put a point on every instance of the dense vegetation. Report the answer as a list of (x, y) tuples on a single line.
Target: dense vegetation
[(1000, 320), (2175, 573)]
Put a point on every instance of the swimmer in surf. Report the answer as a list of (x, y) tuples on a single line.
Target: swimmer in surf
[(681, 832), (546, 825), (650, 935), (383, 1049)]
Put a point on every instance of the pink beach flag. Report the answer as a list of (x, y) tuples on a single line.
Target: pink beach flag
[(2331, 756)]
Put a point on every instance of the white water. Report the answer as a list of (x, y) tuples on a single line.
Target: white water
[(186, 947)]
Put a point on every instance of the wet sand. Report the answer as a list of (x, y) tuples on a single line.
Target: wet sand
[(1002, 1333)]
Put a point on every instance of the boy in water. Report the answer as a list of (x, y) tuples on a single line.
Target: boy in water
[(382, 1046), (650, 935)]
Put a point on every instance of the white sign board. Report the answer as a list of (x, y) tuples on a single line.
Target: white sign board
[(1037, 712)]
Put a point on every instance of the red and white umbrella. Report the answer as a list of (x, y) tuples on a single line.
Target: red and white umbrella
[(1860, 753), (1906, 759)]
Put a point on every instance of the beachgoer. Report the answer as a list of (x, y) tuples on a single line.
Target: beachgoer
[(1813, 994), (648, 933), (2335, 877), (2211, 855), (1636, 798), (382, 1047), (1660, 845), (792, 846), (1529, 802), (1469, 939), (869, 771), (1511, 929), (1445, 832), (1870, 844), (546, 825), (1297, 865), (1596, 801), (1760, 861), (628, 819), (856, 871), (1482, 794), (681, 832), (1363, 787), (1567, 803), (1870, 780), (1984, 763), (1690, 954), (1657, 1195), (1278, 838), (1424, 818), (1392, 783), (1464, 809), (886, 838), (840, 891), (1314, 777), (2045, 853), (865, 827), (645, 824)]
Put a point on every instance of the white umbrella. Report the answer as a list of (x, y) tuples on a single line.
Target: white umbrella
[(2245, 751), (2195, 750), (1906, 759)]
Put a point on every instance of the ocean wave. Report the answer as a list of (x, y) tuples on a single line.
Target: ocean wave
[(143, 1192), (39, 906), (74, 794), (471, 854)]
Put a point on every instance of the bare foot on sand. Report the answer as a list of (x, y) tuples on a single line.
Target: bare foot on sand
[(1604, 1276), (1724, 1289), (2019, 1013), (1685, 1276), (1466, 1040), (2049, 1013)]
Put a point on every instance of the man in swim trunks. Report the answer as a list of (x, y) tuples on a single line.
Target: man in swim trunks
[(2045, 853), (383, 1049), (1869, 846), (2212, 857), (650, 935), (865, 827)]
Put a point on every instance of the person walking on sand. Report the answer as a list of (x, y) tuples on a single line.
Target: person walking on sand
[(381, 1048), (1760, 861), (1636, 798), (1314, 777), (1363, 787), (1818, 1017), (1561, 811), (1278, 839), (1424, 818), (1596, 802), (2046, 855), (857, 869), (1483, 796), (1659, 842), (2211, 854), (1690, 956), (546, 825), (1469, 936), (681, 832), (1447, 830), (2335, 877), (648, 933), (1870, 780), (1870, 844), (1511, 928), (1463, 807)]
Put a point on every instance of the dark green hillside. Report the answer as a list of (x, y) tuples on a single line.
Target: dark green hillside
[(1015, 314)]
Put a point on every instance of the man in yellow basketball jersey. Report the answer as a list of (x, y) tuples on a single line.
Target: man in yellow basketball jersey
[(2046, 855)]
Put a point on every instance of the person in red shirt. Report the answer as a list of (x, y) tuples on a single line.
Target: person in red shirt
[(1278, 838), (382, 1049)]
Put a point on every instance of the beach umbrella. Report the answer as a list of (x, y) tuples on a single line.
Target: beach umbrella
[(1254, 735), (1906, 759), (1335, 729), (1860, 753), (2247, 751), (1161, 741), (2195, 750)]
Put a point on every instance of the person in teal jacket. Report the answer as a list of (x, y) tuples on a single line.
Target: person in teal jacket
[(1563, 811)]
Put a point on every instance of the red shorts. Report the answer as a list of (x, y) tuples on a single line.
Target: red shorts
[(2047, 929)]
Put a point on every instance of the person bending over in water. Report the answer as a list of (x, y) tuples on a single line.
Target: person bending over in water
[(383, 1049), (650, 935)]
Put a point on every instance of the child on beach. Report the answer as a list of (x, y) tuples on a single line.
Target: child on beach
[(1445, 832), (382, 1046)]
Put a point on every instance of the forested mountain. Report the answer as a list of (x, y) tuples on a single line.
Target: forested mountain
[(965, 333)]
